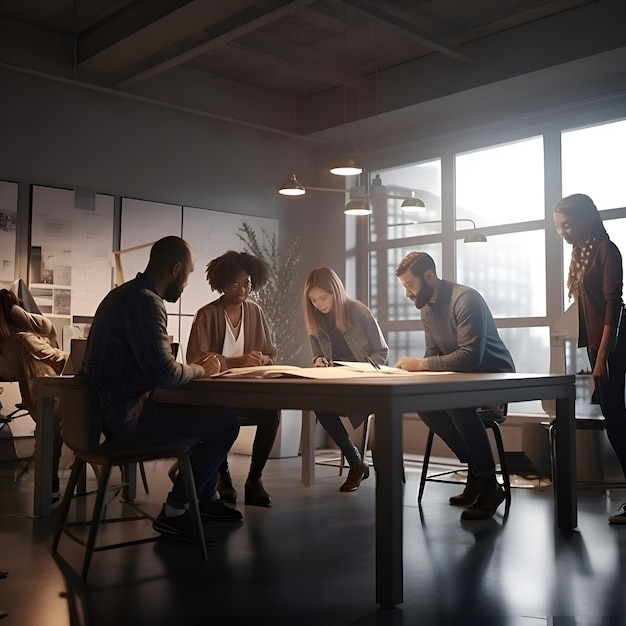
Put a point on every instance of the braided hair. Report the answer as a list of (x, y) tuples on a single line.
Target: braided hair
[(582, 207)]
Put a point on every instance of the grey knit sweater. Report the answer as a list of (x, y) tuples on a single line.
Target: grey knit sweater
[(461, 334)]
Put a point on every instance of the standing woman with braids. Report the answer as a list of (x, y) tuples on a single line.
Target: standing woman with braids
[(595, 281)]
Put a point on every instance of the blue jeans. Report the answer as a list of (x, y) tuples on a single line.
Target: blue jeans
[(465, 434), (611, 397), (216, 427)]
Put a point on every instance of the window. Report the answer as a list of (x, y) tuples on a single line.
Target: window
[(502, 189), (501, 184), (593, 163)]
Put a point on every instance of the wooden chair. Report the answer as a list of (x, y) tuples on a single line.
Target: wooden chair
[(72, 366), (492, 420), (82, 431)]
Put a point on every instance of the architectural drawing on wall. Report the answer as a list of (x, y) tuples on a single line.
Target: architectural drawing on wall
[(71, 256), (144, 222), (8, 219)]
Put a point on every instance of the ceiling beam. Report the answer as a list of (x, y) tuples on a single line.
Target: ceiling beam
[(393, 21), (226, 37), (302, 65)]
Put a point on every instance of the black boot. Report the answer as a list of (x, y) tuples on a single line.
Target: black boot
[(255, 493), (491, 497), (225, 487), (473, 487)]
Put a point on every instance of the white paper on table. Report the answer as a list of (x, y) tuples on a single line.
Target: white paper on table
[(319, 373)]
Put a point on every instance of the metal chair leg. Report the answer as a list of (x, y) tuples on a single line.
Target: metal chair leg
[(429, 447)]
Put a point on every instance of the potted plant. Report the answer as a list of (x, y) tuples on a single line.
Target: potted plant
[(280, 297), (280, 300)]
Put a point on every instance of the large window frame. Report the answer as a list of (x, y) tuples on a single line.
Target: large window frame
[(369, 258)]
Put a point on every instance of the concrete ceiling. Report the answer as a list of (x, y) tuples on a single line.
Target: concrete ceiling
[(313, 68)]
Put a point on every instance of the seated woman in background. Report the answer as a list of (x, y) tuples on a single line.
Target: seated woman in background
[(341, 329), (235, 329), (28, 349)]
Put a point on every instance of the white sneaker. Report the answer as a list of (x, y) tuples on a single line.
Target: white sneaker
[(619, 517)]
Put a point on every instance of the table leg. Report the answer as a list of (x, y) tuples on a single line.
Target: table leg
[(308, 448), (389, 510), (564, 482), (44, 434)]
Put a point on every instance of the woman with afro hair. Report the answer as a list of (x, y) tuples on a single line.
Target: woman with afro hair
[(235, 329)]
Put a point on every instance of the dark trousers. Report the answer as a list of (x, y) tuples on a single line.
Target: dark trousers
[(216, 427), (465, 434), (611, 398), (266, 421)]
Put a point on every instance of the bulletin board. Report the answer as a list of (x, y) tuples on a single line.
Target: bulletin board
[(71, 253)]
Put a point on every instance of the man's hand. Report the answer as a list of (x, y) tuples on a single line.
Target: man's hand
[(411, 364)]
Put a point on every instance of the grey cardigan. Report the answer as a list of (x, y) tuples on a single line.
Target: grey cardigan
[(363, 337)]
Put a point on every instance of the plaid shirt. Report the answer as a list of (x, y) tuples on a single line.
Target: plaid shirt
[(128, 351)]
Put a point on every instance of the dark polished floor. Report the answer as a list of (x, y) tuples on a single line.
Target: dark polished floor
[(310, 560)]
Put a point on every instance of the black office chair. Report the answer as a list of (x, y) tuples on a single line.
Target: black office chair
[(11, 450), (82, 430), (492, 418), (595, 423)]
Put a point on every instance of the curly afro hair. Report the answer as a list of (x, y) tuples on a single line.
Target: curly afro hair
[(221, 271)]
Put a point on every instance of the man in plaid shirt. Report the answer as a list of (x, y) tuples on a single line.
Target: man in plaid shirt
[(128, 355)]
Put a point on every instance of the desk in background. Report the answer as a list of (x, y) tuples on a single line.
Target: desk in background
[(389, 397)]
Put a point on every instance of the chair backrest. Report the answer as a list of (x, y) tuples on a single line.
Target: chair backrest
[(75, 361), (82, 416), (20, 289)]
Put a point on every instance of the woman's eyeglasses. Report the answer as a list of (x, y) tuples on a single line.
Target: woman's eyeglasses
[(236, 287)]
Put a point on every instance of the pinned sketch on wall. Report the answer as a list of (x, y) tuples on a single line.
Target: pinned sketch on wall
[(8, 219), (71, 254), (210, 234), (144, 222)]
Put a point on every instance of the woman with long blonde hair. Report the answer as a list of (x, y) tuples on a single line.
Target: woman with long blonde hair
[(341, 329)]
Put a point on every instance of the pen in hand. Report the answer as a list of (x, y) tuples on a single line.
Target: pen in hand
[(371, 361)]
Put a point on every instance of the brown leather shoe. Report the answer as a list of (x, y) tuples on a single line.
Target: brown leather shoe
[(473, 487), (355, 476), (225, 487), (256, 494), (486, 504)]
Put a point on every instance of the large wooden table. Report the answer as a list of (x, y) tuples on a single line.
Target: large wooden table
[(389, 397)]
